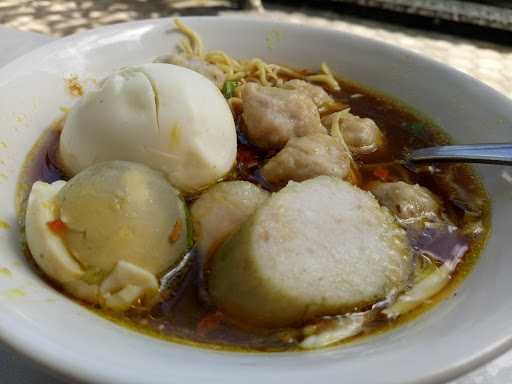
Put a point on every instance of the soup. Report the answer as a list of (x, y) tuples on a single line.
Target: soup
[(357, 144)]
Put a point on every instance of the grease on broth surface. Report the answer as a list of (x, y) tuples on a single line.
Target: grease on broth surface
[(185, 318)]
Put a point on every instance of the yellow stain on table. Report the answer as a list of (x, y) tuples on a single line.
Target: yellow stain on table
[(3, 144)]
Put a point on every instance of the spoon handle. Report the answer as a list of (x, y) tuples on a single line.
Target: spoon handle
[(470, 153)]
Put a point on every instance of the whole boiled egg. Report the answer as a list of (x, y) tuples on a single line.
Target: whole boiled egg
[(167, 117)]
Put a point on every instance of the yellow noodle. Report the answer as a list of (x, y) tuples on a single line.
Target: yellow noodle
[(336, 131), (186, 47), (237, 76), (252, 70), (325, 69), (290, 72), (272, 70), (326, 79), (261, 71), (216, 56), (330, 107), (227, 69), (195, 39)]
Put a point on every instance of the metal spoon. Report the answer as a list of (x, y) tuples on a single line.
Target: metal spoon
[(192, 262), (469, 153), (171, 279)]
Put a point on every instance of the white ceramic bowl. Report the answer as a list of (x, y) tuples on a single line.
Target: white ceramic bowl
[(458, 335)]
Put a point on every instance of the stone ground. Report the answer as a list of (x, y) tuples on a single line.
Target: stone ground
[(63, 17), (490, 63)]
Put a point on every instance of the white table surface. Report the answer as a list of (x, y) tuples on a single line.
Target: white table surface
[(15, 369)]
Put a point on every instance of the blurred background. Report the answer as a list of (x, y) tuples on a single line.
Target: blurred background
[(473, 36)]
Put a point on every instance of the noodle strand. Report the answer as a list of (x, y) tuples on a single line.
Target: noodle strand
[(195, 40), (253, 70)]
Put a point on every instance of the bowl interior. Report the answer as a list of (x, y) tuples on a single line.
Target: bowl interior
[(464, 331)]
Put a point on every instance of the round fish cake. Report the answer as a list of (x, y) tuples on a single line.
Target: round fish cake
[(319, 247)]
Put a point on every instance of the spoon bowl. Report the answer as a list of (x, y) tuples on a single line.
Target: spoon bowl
[(500, 153)]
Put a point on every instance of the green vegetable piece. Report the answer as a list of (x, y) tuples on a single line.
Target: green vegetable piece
[(229, 88), (190, 228), (417, 127)]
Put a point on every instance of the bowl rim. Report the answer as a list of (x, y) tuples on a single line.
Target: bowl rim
[(37, 352)]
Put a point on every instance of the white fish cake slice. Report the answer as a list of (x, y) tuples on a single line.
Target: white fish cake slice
[(320, 247)]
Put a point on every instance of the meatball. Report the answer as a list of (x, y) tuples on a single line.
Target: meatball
[(273, 115), (407, 201), (317, 94), (221, 210), (210, 71), (362, 135), (315, 248), (306, 157)]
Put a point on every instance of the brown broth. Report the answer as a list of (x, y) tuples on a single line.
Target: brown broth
[(187, 318)]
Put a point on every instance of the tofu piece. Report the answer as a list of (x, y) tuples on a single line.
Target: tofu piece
[(220, 211), (317, 93), (407, 201), (319, 247), (273, 116), (306, 157)]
